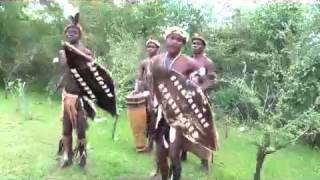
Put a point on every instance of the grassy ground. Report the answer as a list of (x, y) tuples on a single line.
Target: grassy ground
[(28, 150)]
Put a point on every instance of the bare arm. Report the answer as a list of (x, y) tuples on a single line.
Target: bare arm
[(89, 54), (62, 60), (140, 70), (154, 63), (139, 76), (193, 67), (209, 79), (205, 76)]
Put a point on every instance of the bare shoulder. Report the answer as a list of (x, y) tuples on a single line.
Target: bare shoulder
[(209, 61), (189, 59), (157, 58), (143, 64), (84, 49), (145, 61), (208, 58), (87, 51), (209, 64), (186, 58)]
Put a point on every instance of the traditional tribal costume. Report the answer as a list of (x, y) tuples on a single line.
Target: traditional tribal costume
[(144, 83), (184, 120), (80, 83)]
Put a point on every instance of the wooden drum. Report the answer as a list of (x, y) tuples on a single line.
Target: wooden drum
[(137, 114)]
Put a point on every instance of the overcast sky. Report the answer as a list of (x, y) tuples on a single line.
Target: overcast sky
[(221, 9)]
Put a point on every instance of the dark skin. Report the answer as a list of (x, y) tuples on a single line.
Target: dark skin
[(142, 84), (153, 50), (72, 36), (184, 65), (198, 47), (174, 44)]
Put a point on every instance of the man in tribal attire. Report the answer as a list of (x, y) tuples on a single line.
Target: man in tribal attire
[(177, 127), (143, 83), (206, 81), (74, 109), (198, 46)]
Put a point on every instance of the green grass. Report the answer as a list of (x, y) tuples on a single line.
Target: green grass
[(28, 147)]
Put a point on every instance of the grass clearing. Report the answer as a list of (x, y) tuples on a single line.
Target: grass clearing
[(28, 150)]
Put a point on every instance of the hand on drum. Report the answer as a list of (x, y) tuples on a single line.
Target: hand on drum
[(134, 92)]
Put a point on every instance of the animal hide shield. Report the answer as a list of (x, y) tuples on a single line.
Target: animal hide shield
[(185, 106), (93, 79)]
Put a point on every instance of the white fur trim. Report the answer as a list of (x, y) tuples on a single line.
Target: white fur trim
[(172, 134), (165, 143), (172, 78)]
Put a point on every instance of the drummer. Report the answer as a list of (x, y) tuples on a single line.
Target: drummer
[(143, 84)]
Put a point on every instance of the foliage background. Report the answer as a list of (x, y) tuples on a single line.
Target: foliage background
[(267, 59)]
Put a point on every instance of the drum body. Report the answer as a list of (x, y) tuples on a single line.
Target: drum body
[(137, 115)]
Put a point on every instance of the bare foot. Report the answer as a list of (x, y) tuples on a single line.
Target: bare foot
[(204, 166)]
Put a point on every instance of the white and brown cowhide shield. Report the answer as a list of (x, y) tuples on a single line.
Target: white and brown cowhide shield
[(184, 105), (93, 79)]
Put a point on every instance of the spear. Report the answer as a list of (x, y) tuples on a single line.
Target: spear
[(114, 126)]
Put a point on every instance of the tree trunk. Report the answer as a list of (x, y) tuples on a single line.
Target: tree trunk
[(260, 159), (226, 134), (5, 94), (6, 89)]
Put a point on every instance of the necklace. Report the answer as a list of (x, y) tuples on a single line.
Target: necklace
[(166, 61)]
